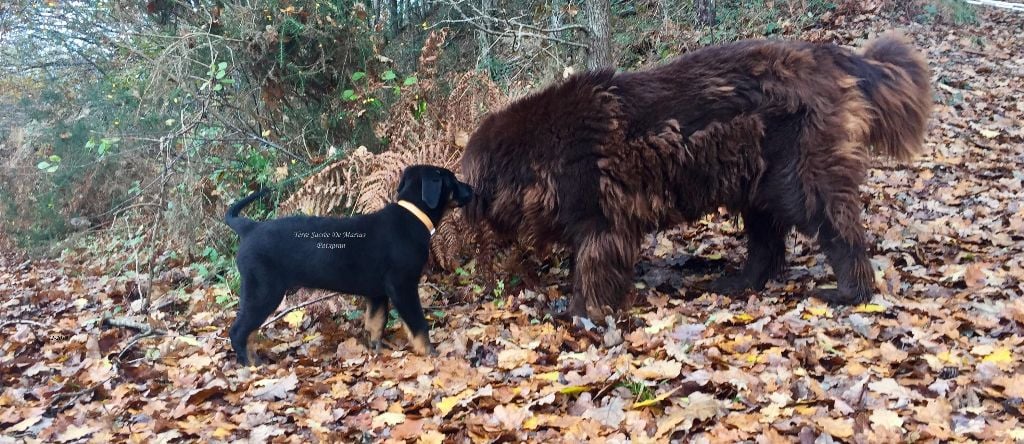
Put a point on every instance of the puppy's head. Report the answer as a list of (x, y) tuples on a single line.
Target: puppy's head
[(433, 188)]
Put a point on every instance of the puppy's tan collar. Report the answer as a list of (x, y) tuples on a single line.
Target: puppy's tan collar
[(419, 214)]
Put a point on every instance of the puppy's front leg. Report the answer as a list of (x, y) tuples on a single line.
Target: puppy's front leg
[(406, 299), (374, 320)]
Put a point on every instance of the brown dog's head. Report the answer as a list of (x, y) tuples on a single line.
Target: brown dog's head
[(433, 189)]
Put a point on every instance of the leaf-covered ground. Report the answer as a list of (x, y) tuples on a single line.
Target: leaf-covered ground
[(936, 356)]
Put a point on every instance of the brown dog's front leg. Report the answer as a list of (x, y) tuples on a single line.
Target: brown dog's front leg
[(603, 273)]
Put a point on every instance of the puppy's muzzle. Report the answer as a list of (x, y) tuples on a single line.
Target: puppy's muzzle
[(463, 194)]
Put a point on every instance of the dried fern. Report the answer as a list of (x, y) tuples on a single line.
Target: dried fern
[(330, 191), (364, 182)]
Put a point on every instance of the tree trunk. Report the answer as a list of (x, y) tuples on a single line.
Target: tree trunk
[(482, 38), (377, 13), (705, 12), (665, 7), (393, 18), (598, 22), (556, 14)]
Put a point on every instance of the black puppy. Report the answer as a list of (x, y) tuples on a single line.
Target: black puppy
[(378, 255)]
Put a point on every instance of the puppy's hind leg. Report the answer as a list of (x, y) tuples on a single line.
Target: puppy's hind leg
[(766, 254), (406, 300), (258, 300), (375, 320)]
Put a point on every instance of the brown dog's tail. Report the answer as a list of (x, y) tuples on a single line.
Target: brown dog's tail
[(895, 79)]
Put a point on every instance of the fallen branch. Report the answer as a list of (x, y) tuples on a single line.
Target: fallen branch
[(298, 306), (1019, 7), (132, 342), (21, 321), (143, 328), (73, 396)]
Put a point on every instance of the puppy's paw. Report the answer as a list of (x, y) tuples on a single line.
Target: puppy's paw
[(424, 350), (421, 344), (376, 346)]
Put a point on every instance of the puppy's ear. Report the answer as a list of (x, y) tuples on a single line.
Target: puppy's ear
[(401, 186), (431, 189)]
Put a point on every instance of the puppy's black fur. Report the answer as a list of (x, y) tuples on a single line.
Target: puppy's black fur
[(379, 256)]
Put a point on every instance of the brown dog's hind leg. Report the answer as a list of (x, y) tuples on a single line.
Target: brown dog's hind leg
[(766, 255), (848, 257), (603, 273)]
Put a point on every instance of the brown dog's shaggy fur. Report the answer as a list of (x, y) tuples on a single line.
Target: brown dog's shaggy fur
[(780, 132)]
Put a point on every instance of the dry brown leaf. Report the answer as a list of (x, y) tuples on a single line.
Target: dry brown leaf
[(838, 428), (886, 419), (659, 370)]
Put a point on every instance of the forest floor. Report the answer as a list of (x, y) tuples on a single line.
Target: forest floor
[(936, 356)]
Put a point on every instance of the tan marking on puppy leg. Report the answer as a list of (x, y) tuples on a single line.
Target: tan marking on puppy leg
[(249, 353), (420, 343), (374, 322)]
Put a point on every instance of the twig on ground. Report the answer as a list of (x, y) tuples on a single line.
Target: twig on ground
[(1019, 7), (142, 327), (132, 343), (21, 321), (73, 396), (296, 307), (145, 330)]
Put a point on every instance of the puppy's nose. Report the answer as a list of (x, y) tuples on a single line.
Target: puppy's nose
[(464, 194)]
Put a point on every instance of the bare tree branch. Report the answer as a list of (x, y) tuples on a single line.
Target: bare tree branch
[(508, 27)]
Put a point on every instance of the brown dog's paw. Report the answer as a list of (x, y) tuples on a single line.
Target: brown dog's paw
[(838, 297), (728, 285)]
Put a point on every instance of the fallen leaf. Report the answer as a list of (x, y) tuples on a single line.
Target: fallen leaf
[(698, 407), (988, 134), (74, 433), (1000, 356), (294, 318), (655, 400), (659, 370), (388, 419), (511, 417), (407, 430), (611, 414), (869, 308), (886, 419), (445, 406), (573, 389), (838, 428), (272, 389), (431, 437), (461, 139), (511, 358), (549, 376)]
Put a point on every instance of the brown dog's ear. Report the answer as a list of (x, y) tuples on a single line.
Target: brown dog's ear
[(431, 190)]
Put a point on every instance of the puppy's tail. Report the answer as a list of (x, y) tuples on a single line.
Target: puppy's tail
[(240, 224), (894, 78)]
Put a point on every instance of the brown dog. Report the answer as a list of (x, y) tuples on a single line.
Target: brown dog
[(780, 132)]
